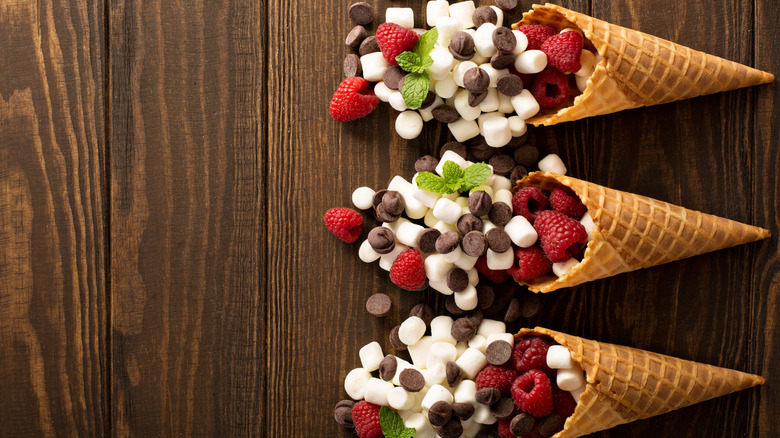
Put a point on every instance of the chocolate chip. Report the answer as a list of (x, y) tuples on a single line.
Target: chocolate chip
[(393, 77), (457, 280), (382, 240), (518, 173), (427, 240), (504, 408), (395, 341), (476, 80), (377, 199), (512, 311), (447, 242), (356, 36), (343, 414), (345, 403), (383, 216), (369, 45), (393, 202), (468, 223), (498, 352), (484, 14), (454, 146), (509, 85), (480, 203), (445, 114), (476, 99), (452, 308), (500, 61), (521, 424), (463, 410), (454, 372), (426, 163), (430, 98), (439, 413), (453, 429), (504, 40), (424, 312), (361, 13), (474, 244), (502, 164), (462, 46), (378, 305), (527, 155), (500, 213), (485, 296), (412, 380), (476, 317), (388, 366), (463, 329), (352, 66), (550, 425), (498, 240), (506, 5), (530, 305), (488, 396)]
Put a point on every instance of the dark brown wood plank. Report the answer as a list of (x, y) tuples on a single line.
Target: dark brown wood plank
[(53, 357), (186, 183)]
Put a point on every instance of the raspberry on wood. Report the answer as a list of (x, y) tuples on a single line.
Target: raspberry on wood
[(352, 100), (344, 223), (408, 270), (365, 416)]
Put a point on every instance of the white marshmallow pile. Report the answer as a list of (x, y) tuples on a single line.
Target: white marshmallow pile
[(569, 374)]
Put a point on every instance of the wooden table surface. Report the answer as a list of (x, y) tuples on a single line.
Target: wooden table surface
[(164, 169)]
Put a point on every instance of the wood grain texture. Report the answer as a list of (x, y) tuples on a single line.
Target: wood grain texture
[(52, 200), (186, 224)]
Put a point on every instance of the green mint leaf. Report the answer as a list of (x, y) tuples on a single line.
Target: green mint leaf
[(427, 62), (409, 61), (452, 172), (475, 175), (415, 89), (392, 425), (432, 183), (425, 44)]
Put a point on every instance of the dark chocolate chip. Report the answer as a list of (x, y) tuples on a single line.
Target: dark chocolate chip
[(474, 244), (476, 80), (476, 99), (352, 66), (453, 429), (452, 308), (481, 151), (500, 213), (530, 305), (480, 203), (504, 40), (476, 317), (426, 163), (395, 341), (377, 199), (527, 155), (509, 85), (454, 373), (498, 352), (439, 413), (427, 240), (343, 415), (369, 45), (361, 13), (378, 305), (498, 240), (462, 46), (550, 425), (454, 146), (445, 114), (388, 366), (424, 312), (430, 98), (345, 403), (488, 396), (468, 223), (521, 424), (457, 280), (383, 216), (484, 14), (393, 77), (382, 240), (504, 408), (463, 410), (485, 296), (500, 61), (356, 36), (518, 173), (512, 311), (463, 329), (502, 164), (507, 5), (412, 380), (393, 202), (447, 242)]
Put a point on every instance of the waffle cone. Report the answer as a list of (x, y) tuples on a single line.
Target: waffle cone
[(627, 384), (637, 69), (634, 232)]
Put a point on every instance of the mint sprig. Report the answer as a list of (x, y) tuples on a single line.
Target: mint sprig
[(392, 424), (454, 179), (416, 62)]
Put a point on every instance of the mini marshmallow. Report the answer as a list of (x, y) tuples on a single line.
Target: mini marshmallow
[(587, 222), (400, 366), (400, 399), (463, 107), (374, 66), (570, 379), (446, 87), (486, 224), (447, 26), (382, 91), (521, 231), (455, 158), (436, 374), (582, 82), (436, 393), (485, 116), (441, 226), (497, 132), (441, 329), (355, 383), (429, 219), (440, 286), (386, 260), (400, 16), (493, 74), (409, 233), (464, 205), (466, 392), (499, 15), (563, 268), (507, 337), (425, 197), (503, 195), (479, 342), (408, 124), (576, 393), (471, 362), (419, 351), (531, 62), (411, 330), (559, 357), (491, 326), (491, 102), (466, 262), (460, 347), (517, 125), (473, 276), (363, 197), (467, 299), (397, 102), (522, 43), (505, 104), (479, 59), (377, 390), (440, 353), (393, 226), (588, 64), (463, 12), (502, 183), (442, 61), (437, 267), (414, 208), (455, 254), (483, 40), (552, 163), (482, 415), (525, 105), (367, 253), (400, 185), (370, 356), (427, 113), (436, 9), (421, 424), (500, 260), (447, 211), (460, 70)]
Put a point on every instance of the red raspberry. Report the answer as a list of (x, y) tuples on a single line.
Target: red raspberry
[(529, 201), (353, 100), (499, 377), (537, 34), (532, 393), (394, 40), (550, 88), (408, 270), (563, 201), (503, 428), (560, 235), (564, 402), (494, 276), (531, 264), (345, 223), (563, 51), (365, 416), (531, 354)]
